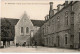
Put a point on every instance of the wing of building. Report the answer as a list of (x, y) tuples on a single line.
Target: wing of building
[(21, 29), (62, 27)]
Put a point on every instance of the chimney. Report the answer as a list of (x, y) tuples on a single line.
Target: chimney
[(66, 3), (51, 5), (59, 7), (51, 9)]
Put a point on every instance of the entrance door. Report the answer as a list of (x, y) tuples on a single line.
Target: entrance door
[(58, 40), (4, 43), (72, 41)]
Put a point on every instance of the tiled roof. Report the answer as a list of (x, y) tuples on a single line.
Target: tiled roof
[(38, 23), (13, 22)]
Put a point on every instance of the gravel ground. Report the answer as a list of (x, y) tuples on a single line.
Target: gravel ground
[(39, 49)]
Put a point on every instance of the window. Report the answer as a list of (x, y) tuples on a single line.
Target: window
[(65, 40), (49, 40), (27, 30), (21, 29), (66, 20), (58, 22), (79, 17), (52, 40), (79, 37), (58, 40), (49, 23), (47, 30), (58, 19), (46, 40), (72, 7), (53, 22), (66, 13), (72, 38), (43, 31)]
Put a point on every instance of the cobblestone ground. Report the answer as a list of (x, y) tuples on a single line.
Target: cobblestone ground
[(39, 49)]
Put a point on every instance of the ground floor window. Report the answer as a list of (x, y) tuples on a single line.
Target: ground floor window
[(65, 40), (52, 40), (58, 40), (72, 38), (47, 40)]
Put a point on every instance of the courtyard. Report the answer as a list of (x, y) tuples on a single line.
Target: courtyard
[(39, 49)]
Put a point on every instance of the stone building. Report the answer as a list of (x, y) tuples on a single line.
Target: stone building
[(0, 32), (22, 29), (61, 29), (76, 16)]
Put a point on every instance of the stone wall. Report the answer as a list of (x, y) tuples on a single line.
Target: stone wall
[(76, 9), (21, 37), (56, 29)]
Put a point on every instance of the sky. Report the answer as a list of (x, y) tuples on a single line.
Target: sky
[(34, 9)]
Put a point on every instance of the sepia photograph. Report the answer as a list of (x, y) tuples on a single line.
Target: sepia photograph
[(39, 26)]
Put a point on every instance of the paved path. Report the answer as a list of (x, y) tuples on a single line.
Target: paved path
[(39, 49)]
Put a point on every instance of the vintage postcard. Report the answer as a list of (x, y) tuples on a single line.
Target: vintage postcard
[(39, 26)]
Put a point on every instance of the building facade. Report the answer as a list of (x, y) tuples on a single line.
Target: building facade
[(0, 39), (21, 29), (76, 10), (0, 32), (61, 29)]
